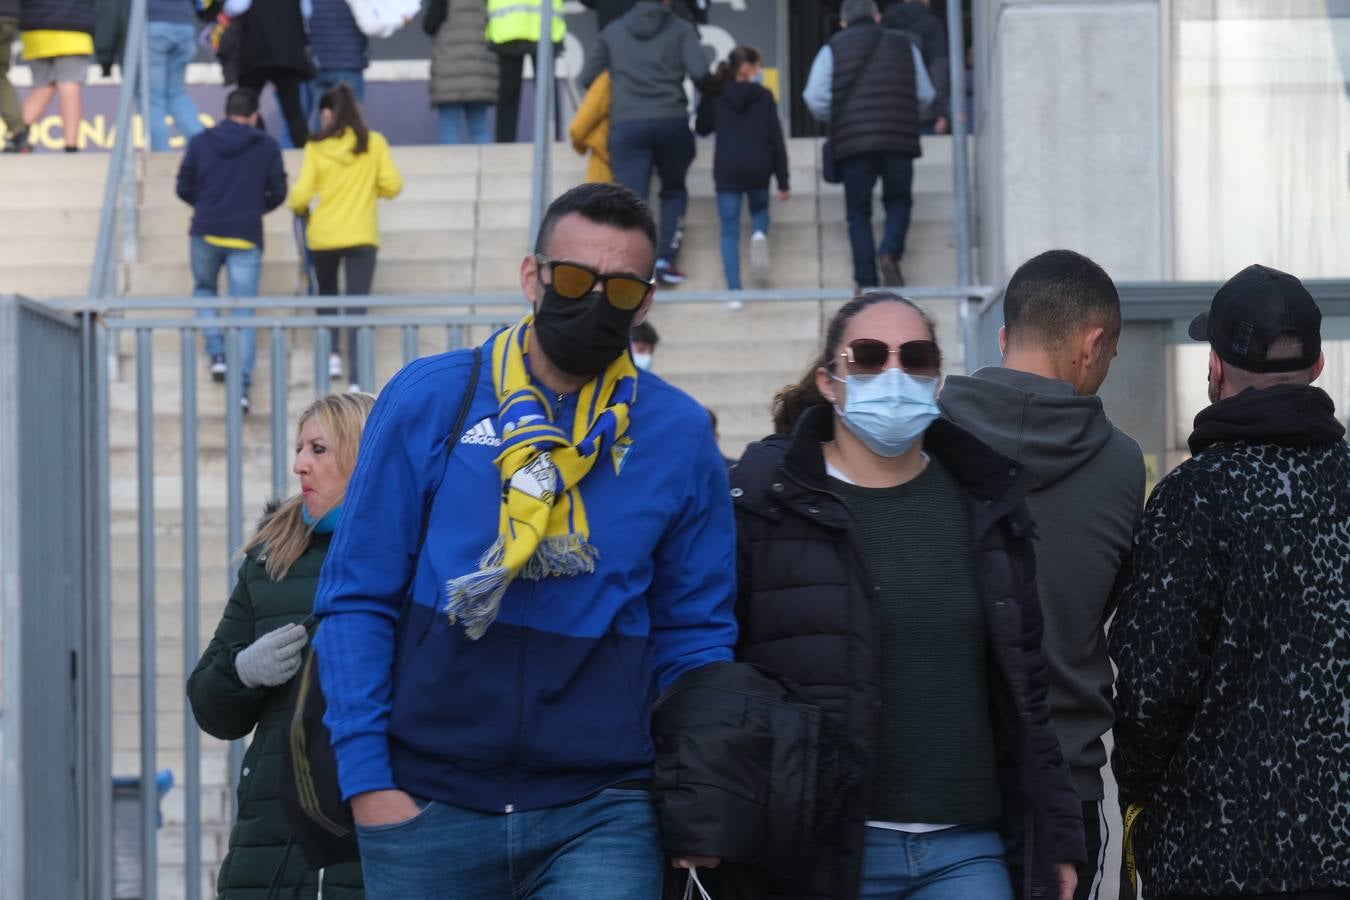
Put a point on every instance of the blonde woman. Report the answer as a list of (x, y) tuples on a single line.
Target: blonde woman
[(239, 683)]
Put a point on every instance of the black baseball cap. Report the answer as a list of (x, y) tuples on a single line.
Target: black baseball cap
[(1251, 310)]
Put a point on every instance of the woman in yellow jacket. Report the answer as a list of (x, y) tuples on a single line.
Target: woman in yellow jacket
[(347, 168), (590, 130)]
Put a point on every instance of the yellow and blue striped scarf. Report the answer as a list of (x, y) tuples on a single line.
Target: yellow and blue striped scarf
[(543, 529)]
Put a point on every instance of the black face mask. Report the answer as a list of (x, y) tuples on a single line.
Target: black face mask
[(581, 337)]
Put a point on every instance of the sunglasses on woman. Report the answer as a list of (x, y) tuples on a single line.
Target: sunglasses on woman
[(573, 281), (867, 356)]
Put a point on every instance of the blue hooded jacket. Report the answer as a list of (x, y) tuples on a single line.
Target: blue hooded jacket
[(231, 175), (553, 703)]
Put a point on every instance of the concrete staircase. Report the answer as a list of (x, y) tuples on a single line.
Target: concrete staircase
[(459, 227)]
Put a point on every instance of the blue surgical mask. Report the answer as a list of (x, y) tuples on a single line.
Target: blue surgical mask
[(759, 77), (890, 411)]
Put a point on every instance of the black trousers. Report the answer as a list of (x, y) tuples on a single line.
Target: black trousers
[(359, 266), (510, 78), (1091, 873), (287, 84)]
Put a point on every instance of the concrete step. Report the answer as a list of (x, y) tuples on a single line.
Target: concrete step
[(46, 280), (279, 277), (407, 213)]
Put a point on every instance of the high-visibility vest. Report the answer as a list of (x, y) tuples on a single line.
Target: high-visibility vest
[(518, 20)]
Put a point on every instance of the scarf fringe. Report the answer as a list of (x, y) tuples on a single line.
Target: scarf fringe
[(476, 598)]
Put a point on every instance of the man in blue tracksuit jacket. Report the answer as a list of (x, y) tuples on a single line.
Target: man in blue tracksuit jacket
[(506, 753)]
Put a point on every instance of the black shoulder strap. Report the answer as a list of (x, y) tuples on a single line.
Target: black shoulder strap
[(847, 92), (452, 440)]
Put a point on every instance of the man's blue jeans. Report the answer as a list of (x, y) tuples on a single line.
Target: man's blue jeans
[(172, 47), (859, 174), (604, 848), (475, 120), (243, 271), (729, 211), (963, 863), (667, 145)]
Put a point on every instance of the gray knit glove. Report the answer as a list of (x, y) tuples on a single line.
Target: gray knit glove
[(273, 658)]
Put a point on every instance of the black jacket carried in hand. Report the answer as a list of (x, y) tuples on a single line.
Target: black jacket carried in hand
[(1232, 638), (747, 771), (273, 36), (750, 147), (808, 609)]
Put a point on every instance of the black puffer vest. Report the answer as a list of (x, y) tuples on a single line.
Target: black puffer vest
[(807, 609), (881, 111)]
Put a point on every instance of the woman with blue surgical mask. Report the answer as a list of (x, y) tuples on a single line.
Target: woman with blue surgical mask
[(886, 567)]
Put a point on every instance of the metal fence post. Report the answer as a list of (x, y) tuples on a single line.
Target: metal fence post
[(543, 121), (192, 753), (960, 128), (145, 458)]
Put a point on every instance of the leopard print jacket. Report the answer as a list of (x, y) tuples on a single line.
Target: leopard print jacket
[(1232, 640)]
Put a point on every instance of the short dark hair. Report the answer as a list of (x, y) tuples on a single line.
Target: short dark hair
[(602, 203), (644, 333), (853, 11), (1053, 296), (241, 102)]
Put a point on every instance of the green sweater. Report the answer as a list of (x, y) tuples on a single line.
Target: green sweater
[(934, 758)]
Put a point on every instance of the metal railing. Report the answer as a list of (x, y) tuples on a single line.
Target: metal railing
[(297, 344), (294, 333), (121, 190)]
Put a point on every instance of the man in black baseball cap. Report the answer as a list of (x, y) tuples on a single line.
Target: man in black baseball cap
[(1233, 627), (1262, 322)]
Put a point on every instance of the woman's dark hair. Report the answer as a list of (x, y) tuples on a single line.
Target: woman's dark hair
[(728, 68), (794, 400), (342, 102)]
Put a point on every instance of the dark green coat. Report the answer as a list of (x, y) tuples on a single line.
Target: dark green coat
[(226, 709)]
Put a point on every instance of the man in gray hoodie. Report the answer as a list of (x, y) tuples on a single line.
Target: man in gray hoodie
[(649, 52), (1062, 324)]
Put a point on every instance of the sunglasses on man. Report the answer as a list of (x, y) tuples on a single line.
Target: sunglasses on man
[(573, 281), (868, 356)]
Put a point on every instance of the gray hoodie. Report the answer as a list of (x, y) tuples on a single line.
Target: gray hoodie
[(1089, 497), (648, 53)]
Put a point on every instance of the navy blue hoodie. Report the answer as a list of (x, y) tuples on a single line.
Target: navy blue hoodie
[(232, 175), (750, 145)]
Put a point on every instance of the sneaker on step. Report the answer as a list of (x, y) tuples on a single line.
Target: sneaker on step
[(218, 367), (668, 275), (334, 365), (353, 388), (759, 256), (889, 269), (734, 305), (245, 404)]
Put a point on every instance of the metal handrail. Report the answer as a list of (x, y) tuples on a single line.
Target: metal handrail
[(121, 163), (103, 306)]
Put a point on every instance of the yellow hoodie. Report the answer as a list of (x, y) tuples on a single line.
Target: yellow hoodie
[(347, 186)]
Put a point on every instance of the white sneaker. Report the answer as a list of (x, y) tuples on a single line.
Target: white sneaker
[(334, 365), (759, 255), (353, 388), (733, 306)]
